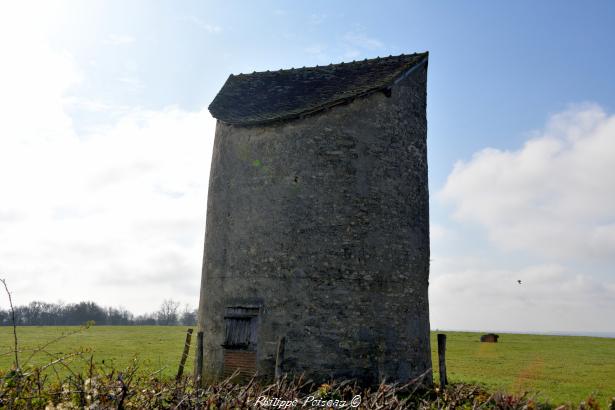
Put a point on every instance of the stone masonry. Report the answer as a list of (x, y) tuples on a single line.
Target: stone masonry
[(318, 227)]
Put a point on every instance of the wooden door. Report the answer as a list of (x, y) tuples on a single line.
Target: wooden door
[(240, 341)]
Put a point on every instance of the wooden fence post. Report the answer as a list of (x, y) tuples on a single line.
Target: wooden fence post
[(182, 362), (198, 375), (279, 358), (442, 359)]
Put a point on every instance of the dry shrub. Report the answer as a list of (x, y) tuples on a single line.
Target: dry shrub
[(106, 388)]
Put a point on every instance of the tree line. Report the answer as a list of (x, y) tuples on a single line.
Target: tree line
[(60, 314)]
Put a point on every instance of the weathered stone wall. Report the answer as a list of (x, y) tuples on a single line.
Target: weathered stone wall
[(324, 223)]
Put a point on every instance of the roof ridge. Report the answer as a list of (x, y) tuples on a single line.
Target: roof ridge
[(366, 60)]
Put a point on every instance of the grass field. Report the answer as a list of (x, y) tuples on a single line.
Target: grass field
[(559, 369), (157, 348)]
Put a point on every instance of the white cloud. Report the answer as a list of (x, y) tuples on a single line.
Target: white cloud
[(116, 214), (550, 298), (119, 40), (553, 197), (354, 44), (438, 232), (362, 41), (132, 82), (117, 217), (33, 80), (210, 28)]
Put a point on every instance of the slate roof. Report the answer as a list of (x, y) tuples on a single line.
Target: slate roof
[(258, 98)]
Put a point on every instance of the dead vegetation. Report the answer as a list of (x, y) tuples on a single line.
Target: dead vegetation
[(105, 388)]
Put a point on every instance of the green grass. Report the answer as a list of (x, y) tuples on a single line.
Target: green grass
[(559, 369), (157, 348)]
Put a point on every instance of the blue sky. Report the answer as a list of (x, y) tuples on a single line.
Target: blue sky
[(106, 137)]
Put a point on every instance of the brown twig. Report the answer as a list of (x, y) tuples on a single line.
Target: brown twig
[(14, 323)]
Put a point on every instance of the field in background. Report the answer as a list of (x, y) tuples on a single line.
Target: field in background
[(557, 368), (157, 348)]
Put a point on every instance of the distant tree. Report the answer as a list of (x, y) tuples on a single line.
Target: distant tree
[(168, 313), (39, 313), (143, 320), (48, 315), (32, 314), (83, 312), (56, 313), (118, 316), (4, 318), (188, 317)]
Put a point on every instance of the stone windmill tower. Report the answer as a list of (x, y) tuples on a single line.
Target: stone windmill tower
[(318, 223)]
